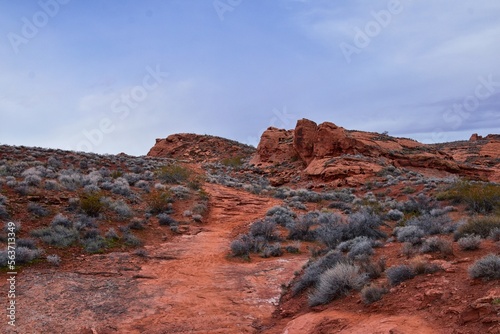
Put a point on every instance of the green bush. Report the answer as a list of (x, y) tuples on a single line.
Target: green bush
[(174, 173), (479, 197), (159, 201), (481, 226), (91, 204), (372, 293), (234, 162)]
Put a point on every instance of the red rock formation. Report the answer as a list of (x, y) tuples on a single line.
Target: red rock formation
[(332, 152), (193, 147)]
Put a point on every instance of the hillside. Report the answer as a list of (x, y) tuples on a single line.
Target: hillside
[(318, 230)]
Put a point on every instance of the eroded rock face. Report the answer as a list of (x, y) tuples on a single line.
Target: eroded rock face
[(199, 148), (331, 152), (275, 145)]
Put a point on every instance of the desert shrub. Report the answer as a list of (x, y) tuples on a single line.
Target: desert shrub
[(144, 185), (407, 249), (420, 266), (470, 242), (121, 187), (26, 255), (54, 162), (92, 241), (487, 268), (57, 235), (22, 188), (51, 185), (337, 282), (197, 218), (122, 209), (174, 173), (61, 220), (420, 204), (200, 208), (293, 249), (132, 240), (180, 192), (395, 214), (412, 234), (90, 203), (111, 234), (297, 205), (33, 180), (373, 269), (436, 245), (481, 226), (371, 294), (364, 222), (159, 201), (165, 219), (70, 180), (431, 225), (265, 228), (282, 215), (301, 229), (479, 197), (27, 243), (345, 207), (495, 234), (331, 229), (361, 250), (234, 162), (398, 274), (313, 271), (240, 247), (54, 260), (272, 250), (136, 224), (4, 214)]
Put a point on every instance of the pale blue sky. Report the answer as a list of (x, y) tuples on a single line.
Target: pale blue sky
[(76, 74)]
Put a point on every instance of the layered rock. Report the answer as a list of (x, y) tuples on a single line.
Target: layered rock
[(199, 148), (332, 152)]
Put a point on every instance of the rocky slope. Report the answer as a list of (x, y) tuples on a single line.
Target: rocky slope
[(199, 148)]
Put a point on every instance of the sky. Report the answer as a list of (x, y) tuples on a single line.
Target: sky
[(111, 76)]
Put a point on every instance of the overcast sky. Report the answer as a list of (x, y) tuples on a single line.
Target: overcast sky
[(111, 76)]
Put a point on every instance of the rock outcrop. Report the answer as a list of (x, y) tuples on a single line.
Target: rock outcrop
[(332, 152), (199, 148)]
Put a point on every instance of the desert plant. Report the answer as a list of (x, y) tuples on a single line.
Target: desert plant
[(395, 214), (282, 215), (337, 282), (420, 265), (479, 197), (487, 268), (265, 228), (122, 209), (26, 255), (436, 244), (372, 293), (159, 201), (495, 234), (481, 226), (313, 271), (57, 235), (301, 229), (111, 234), (398, 274), (470, 242), (165, 219), (136, 224), (240, 247), (54, 259), (412, 234), (131, 239), (432, 225), (174, 173), (90, 203), (272, 251), (4, 214), (121, 187)]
